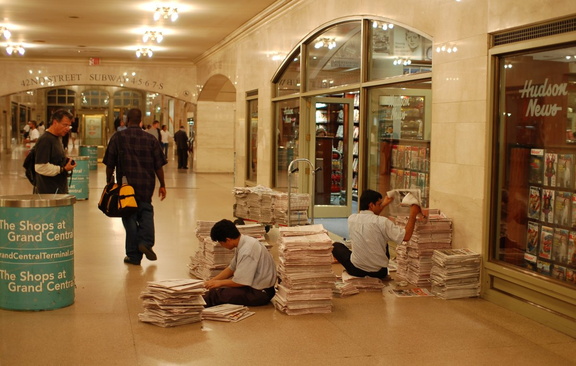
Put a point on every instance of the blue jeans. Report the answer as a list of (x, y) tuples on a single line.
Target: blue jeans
[(139, 230)]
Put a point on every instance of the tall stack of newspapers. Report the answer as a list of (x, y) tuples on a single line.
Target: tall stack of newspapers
[(414, 260), (305, 277), (170, 303), (265, 205), (211, 258), (455, 273)]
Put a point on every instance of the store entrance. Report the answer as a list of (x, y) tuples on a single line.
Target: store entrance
[(332, 152)]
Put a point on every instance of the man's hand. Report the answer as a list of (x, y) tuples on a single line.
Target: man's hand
[(162, 193), (213, 283)]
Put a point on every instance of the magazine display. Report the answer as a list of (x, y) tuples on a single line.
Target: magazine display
[(551, 227)]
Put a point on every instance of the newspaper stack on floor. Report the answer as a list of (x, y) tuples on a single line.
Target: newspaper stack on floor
[(363, 283), (299, 203), (226, 313), (305, 271), (344, 289), (455, 273), (414, 260), (170, 303), (211, 258), (253, 203)]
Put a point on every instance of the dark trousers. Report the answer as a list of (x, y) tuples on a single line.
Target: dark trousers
[(182, 158), (342, 255), (245, 295)]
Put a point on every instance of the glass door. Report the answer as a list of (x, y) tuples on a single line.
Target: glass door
[(332, 149)]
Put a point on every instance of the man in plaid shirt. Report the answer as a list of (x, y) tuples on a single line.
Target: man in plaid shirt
[(138, 158)]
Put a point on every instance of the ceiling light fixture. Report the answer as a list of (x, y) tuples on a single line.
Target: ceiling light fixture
[(144, 51), (402, 61), (152, 35), (5, 32), (166, 12), (13, 49), (329, 43)]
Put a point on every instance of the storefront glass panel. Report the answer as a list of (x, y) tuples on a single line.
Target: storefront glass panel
[(535, 207), (394, 50), (287, 125), (252, 139), (333, 57), (289, 81), (398, 134)]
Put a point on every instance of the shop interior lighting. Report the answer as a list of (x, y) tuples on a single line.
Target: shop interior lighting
[(507, 66), (152, 35), (384, 26), (329, 43), (5, 32), (448, 48), (144, 51), (15, 49), (166, 12), (402, 61)]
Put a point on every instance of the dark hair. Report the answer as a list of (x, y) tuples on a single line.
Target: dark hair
[(369, 196), (134, 116), (59, 114), (224, 229)]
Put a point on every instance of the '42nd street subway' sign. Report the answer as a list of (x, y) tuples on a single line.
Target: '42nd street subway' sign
[(120, 80)]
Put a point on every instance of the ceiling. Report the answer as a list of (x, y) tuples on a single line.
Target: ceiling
[(112, 30)]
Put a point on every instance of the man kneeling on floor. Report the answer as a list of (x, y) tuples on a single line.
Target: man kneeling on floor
[(370, 233), (249, 278)]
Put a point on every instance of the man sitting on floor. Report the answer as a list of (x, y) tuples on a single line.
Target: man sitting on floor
[(249, 279), (370, 233)]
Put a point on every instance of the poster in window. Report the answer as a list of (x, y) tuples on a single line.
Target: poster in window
[(550, 169), (562, 208), (532, 238), (546, 239), (536, 166), (534, 203), (547, 206), (565, 174)]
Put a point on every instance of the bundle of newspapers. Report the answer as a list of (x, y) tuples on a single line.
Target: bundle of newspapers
[(265, 205), (455, 273), (226, 313), (414, 259), (305, 277), (169, 303), (363, 283), (211, 258)]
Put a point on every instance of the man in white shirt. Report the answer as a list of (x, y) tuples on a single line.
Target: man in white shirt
[(250, 278), (370, 233), (33, 135)]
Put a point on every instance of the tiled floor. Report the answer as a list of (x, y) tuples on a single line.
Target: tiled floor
[(102, 327)]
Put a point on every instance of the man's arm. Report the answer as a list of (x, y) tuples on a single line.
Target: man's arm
[(109, 174), (162, 189), (414, 211), (222, 279)]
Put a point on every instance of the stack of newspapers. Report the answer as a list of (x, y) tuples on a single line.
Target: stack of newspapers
[(305, 272), (211, 258), (299, 203), (254, 203), (226, 313), (363, 283), (415, 258), (170, 303), (455, 273)]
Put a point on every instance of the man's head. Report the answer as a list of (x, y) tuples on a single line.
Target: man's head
[(61, 122), (32, 124), (156, 124), (134, 117), (225, 233), (371, 200)]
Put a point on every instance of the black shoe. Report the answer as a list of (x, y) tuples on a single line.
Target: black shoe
[(131, 261), (148, 252)]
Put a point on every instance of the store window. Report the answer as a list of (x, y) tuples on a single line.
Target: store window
[(127, 99), (95, 98), (535, 205), (288, 123), (333, 57), (394, 50), (289, 81), (58, 99), (399, 137), (252, 108)]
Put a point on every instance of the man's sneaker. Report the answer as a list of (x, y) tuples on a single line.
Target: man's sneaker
[(131, 261), (148, 252)]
